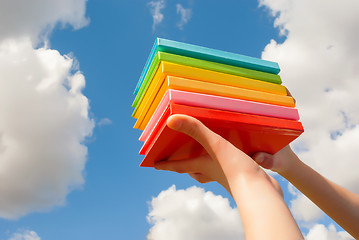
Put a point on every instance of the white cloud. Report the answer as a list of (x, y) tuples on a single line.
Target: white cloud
[(304, 210), (25, 235), (104, 121), (185, 15), (36, 19), (44, 117), (155, 10), (193, 214), (320, 232), (319, 60), (44, 122)]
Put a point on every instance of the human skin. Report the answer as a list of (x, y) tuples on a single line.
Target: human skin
[(337, 202), (258, 196)]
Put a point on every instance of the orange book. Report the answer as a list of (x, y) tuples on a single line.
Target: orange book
[(172, 69), (150, 103)]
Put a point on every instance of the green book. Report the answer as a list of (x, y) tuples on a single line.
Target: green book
[(192, 62)]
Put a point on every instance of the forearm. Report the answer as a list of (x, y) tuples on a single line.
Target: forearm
[(264, 213), (338, 203)]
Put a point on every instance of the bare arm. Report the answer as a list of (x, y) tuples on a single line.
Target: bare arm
[(337, 202), (262, 208)]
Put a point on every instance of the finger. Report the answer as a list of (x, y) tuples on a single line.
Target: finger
[(200, 178), (192, 165), (195, 129), (290, 95), (265, 160)]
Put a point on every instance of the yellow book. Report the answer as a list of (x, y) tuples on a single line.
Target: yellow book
[(177, 83), (177, 70)]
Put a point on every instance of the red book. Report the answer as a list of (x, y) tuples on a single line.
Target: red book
[(250, 133)]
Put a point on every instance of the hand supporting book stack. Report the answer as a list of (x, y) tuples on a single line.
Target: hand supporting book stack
[(238, 97)]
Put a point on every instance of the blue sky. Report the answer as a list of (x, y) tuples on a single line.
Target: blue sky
[(109, 42)]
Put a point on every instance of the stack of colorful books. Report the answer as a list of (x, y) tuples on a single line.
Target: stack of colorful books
[(238, 97)]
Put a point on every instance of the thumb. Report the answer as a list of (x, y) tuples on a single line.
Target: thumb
[(263, 159), (195, 129)]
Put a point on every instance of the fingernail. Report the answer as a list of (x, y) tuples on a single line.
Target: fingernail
[(174, 123), (259, 158)]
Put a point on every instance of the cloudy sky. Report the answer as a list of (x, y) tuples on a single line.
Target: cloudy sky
[(68, 152)]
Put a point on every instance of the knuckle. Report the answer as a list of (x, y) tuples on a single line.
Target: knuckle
[(181, 166), (199, 178), (179, 169)]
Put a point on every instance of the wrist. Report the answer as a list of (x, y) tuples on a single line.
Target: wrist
[(292, 164), (244, 179)]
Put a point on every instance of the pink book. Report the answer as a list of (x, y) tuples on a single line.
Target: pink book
[(220, 103)]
